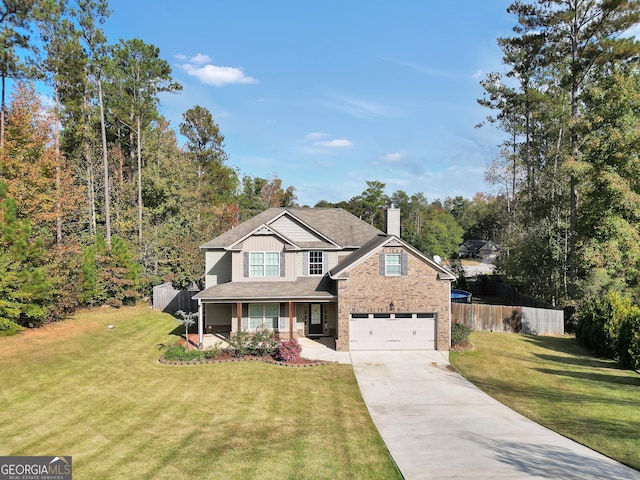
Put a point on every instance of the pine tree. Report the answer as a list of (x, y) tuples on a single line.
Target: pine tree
[(562, 48), (24, 283)]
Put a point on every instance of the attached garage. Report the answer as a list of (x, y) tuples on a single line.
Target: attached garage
[(392, 331)]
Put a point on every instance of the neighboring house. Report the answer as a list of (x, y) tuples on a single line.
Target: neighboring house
[(324, 272), (481, 249)]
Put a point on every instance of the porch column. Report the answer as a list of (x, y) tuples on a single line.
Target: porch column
[(290, 320), (239, 311), (200, 323)]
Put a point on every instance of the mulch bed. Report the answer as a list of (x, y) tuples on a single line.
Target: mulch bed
[(462, 347), (227, 357)]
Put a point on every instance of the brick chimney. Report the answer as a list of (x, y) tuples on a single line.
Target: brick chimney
[(393, 221)]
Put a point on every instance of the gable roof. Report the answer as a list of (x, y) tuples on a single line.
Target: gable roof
[(330, 225), (260, 230), (477, 245), (384, 240), (473, 245)]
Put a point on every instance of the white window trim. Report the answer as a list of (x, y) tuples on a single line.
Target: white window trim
[(316, 263), (387, 265), (264, 264)]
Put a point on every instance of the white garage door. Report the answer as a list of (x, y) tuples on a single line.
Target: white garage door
[(392, 331)]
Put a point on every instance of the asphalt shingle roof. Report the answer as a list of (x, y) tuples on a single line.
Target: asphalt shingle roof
[(303, 287), (336, 224)]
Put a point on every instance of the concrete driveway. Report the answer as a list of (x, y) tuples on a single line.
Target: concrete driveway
[(437, 425)]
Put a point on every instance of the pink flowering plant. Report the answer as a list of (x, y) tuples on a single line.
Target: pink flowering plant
[(288, 351)]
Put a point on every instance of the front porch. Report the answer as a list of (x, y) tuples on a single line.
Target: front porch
[(292, 319)]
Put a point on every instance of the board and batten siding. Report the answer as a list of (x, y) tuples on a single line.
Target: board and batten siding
[(294, 231), (217, 267), (263, 243)]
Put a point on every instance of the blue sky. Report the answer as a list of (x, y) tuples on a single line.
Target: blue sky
[(329, 94)]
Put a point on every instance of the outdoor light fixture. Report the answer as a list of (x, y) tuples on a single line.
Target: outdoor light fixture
[(392, 306)]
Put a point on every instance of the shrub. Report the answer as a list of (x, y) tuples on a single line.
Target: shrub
[(460, 334), (288, 351), (240, 343), (213, 351), (178, 353), (629, 341), (264, 343), (599, 323), (8, 328)]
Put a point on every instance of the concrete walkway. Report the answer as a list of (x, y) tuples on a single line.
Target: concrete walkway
[(437, 425), (322, 348)]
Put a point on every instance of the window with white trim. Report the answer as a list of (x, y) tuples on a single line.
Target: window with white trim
[(315, 263), (392, 264), (263, 313), (264, 264)]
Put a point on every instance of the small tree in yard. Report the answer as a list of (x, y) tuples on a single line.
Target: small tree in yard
[(187, 319)]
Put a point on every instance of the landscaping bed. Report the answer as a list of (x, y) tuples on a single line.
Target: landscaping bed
[(228, 357), (260, 346)]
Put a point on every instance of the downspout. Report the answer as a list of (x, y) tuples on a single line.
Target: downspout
[(200, 324), (450, 319)]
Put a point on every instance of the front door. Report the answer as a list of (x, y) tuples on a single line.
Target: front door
[(315, 323)]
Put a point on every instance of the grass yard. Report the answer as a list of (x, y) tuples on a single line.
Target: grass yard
[(555, 382), (77, 388), (470, 262)]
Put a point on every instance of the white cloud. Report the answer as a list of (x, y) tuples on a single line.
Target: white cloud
[(316, 135), (200, 67), (478, 75), (200, 59), (393, 157), (336, 143)]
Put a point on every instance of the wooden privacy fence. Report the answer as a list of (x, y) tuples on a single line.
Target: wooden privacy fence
[(513, 297), (168, 299), (501, 318)]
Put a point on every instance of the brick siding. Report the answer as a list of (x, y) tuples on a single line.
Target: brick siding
[(366, 291)]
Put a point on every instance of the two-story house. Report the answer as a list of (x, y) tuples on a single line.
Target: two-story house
[(324, 272)]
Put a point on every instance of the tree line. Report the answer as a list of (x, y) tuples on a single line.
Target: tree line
[(568, 102), (99, 201)]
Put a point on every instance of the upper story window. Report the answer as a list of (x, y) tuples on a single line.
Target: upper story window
[(315, 263), (264, 264), (392, 264)]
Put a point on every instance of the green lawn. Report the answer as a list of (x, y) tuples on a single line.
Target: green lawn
[(468, 262), (77, 388), (555, 382)]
